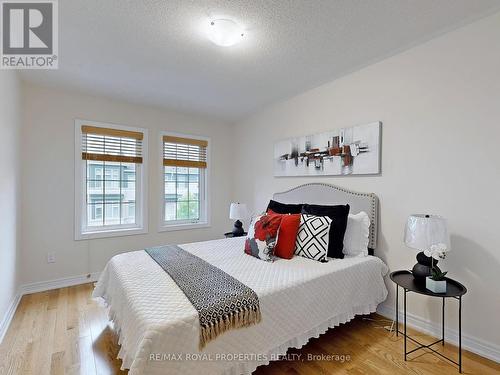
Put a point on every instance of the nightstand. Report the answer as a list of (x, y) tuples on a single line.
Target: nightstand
[(231, 235), (454, 289)]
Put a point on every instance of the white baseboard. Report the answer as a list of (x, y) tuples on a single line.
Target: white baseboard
[(472, 344), (7, 319), (41, 286)]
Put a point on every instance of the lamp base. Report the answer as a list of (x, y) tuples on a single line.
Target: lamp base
[(238, 229), (423, 268)]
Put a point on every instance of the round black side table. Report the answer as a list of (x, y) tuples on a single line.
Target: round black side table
[(231, 235), (454, 289)]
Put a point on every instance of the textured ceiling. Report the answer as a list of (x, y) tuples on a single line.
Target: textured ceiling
[(154, 51)]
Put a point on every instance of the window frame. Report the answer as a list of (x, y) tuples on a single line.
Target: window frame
[(203, 222), (141, 227)]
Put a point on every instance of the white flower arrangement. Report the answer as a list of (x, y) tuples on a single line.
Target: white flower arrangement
[(437, 251)]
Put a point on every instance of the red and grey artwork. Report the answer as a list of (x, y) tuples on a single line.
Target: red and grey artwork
[(347, 151)]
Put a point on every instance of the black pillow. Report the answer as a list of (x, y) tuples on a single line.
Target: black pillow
[(283, 208), (338, 214)]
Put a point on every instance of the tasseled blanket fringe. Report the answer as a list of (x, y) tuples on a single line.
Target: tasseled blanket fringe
[(236, 319)]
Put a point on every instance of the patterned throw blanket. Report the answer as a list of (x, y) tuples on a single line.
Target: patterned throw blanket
[(222, 302)]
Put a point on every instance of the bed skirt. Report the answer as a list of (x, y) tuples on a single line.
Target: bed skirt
[(247, 368)]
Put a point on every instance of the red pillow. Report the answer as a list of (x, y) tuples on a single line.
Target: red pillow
[(287, 235), (261, 238)]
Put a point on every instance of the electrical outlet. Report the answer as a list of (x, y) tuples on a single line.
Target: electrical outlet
[(51, 257)]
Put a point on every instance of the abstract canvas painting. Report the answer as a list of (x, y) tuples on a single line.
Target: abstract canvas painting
[(346, 151)]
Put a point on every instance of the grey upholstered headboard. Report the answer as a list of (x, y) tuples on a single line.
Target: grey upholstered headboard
[(326, 194)]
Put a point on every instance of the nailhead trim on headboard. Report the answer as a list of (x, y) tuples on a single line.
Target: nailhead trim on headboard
[(373, 214)]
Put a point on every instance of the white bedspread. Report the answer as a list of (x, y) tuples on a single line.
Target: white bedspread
[(299, 299)]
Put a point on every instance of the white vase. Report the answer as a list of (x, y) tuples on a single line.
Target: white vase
[(435, 286)]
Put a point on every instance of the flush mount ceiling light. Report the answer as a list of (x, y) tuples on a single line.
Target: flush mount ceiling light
[(224, 32)]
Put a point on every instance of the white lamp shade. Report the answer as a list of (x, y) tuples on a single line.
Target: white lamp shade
[(238, 211), (423, 231)]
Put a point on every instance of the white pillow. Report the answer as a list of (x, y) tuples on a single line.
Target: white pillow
[(357, 233)]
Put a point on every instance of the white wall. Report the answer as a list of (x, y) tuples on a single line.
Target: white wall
[(440, 108), (10, 125), (48, 180)]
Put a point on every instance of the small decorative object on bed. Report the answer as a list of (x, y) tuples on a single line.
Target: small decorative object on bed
[(347, 151), (421, 233), (261, 237), (238, 211)]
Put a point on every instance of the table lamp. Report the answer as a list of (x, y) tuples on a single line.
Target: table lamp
[(421, 232), (238, 211)]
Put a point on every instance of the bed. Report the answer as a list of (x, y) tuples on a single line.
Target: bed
[(299, 299)]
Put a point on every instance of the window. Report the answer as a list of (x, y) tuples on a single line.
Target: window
[(184, 184), (110, 180)]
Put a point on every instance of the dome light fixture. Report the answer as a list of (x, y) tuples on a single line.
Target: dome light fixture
[(224, 32)]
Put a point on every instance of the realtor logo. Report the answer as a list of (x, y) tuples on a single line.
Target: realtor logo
[(29, 37)]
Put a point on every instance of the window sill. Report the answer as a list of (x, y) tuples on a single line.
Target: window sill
[(184, 226), (111, 233)]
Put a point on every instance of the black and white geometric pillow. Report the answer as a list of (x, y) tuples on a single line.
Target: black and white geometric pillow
[(312, 237)]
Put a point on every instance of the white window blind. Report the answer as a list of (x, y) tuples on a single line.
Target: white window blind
[(184, 152), (104, 144)]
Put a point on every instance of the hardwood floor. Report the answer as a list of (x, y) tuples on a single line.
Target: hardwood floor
[(64, 331)]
